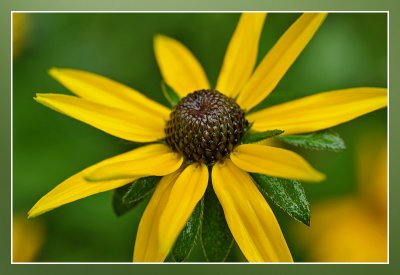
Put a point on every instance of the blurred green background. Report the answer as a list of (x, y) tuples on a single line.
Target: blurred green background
[(349, 50)]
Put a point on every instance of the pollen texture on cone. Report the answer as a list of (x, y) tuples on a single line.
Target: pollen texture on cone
[(205, 126)]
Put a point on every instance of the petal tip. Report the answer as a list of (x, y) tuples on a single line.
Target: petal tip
[(39, 98), (317, 177), (32, 213), (42, 99), (53, 71), (159, 38)]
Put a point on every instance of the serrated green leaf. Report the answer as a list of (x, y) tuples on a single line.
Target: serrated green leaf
[(187, 238), (251, 137), (322, 140), (172, 97), (127, 197), (216, 238), (140, 189), (117, 204), (289, 195)]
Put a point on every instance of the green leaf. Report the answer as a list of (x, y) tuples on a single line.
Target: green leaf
[(216, 238), (172, 97), (127, 197), (118, 206), (140, 189), (287, 194), (187, 239), (251, 137), (322, 140)]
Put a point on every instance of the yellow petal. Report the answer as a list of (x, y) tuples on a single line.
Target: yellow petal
[(320, 111), (249, 217), (275, 162), (77, 187), (155, 159), (178, 66), (147, 242), (241, 55), (111, 120), (187, 191), (102, 90), (279, 59), (167, 212)]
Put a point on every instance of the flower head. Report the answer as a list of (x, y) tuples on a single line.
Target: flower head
[(202, 144)]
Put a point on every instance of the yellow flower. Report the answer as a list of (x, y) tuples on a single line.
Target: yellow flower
[(357, 230), (125, 113)]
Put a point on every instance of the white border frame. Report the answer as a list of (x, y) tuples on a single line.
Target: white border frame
[(255, 11)]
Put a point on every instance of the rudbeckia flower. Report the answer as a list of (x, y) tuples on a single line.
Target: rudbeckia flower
[(202, 144)]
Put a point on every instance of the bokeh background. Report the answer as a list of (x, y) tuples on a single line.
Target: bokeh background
[(348, 219)]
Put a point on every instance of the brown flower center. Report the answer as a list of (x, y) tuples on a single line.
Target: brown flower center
[(205, 126)]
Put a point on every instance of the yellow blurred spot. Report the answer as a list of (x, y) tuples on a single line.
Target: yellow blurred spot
[(352, 228), (28, 238), (20, 29), (343, 230)]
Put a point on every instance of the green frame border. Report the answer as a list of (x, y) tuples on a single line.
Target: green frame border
[(192, 5)]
